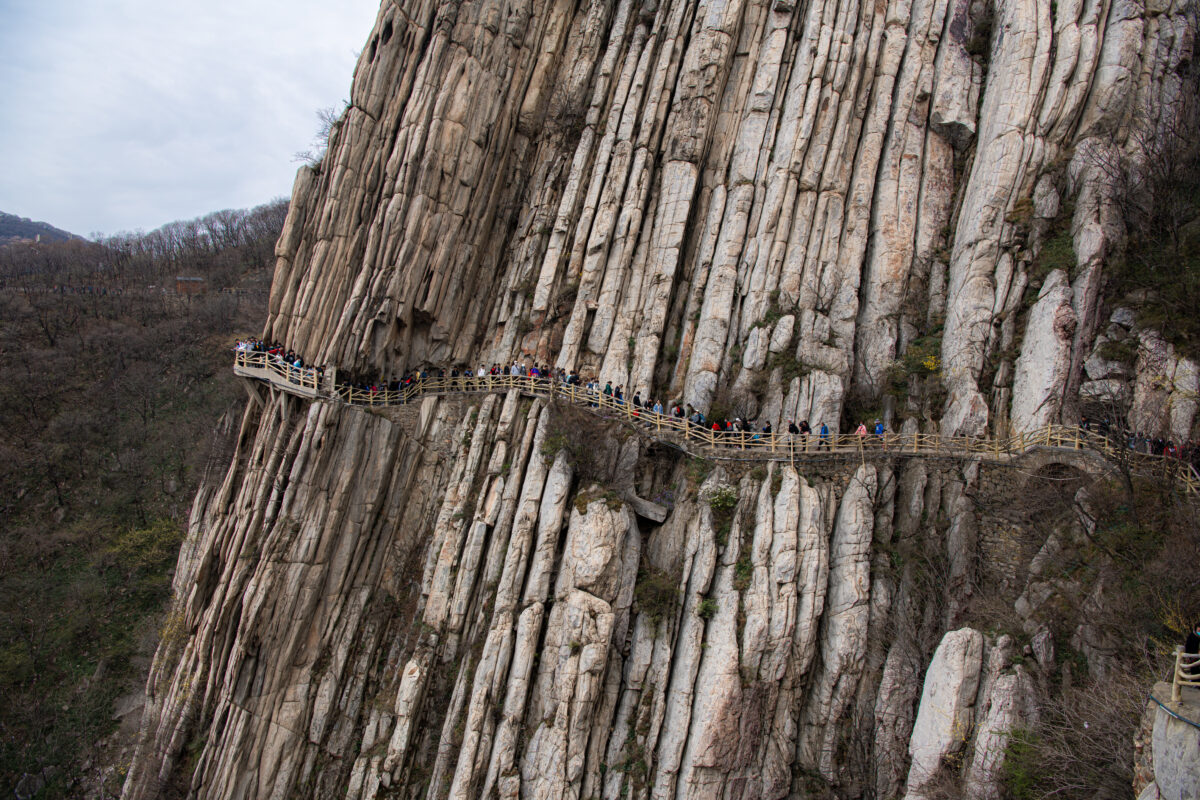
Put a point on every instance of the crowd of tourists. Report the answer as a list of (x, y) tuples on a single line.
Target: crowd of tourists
[(287, 360), (735, 431), (1139, 442)]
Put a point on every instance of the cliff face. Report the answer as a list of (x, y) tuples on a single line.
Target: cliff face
[(762, 206)]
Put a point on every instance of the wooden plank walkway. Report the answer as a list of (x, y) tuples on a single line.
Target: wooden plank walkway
[(706, 443)]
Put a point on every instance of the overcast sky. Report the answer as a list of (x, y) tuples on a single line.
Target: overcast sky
[(126, 114)]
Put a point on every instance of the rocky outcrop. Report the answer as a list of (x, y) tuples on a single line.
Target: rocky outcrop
[(530, 635), (973, 700), (1045, 362), (753, 206), (944, 722), (1131, 369), (1173, 757), (1165, 390), (1004, 705)]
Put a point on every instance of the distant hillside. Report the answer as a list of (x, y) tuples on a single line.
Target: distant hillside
[(14, 228), (127, 388)]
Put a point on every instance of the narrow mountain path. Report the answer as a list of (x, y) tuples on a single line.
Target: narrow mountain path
[(1073, 443)]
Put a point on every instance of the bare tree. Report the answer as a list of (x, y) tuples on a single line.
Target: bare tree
[(327, 122)]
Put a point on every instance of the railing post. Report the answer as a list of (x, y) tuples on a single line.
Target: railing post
[(1177, 677)]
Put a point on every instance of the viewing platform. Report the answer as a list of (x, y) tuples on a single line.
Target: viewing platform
[(302, 381)]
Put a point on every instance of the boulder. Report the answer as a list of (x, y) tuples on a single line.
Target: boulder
[(946, 712)]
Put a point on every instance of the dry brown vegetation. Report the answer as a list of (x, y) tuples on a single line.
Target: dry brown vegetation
[(1123, 583), (110, 395)]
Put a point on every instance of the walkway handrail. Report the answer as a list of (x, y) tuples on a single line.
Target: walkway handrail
[(778, 445), (1186, 673), (304, 377)]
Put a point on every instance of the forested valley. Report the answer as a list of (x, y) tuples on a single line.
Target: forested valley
[(116, 398)]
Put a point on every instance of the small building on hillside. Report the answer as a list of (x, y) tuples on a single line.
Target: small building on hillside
[(186, 285)]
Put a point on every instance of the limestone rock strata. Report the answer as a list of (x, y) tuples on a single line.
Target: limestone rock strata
[(754, 197), (1134, 369), (377, 603)]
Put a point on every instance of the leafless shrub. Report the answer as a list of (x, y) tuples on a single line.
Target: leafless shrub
[(1123, 583), (327, 121), (1082, 744)]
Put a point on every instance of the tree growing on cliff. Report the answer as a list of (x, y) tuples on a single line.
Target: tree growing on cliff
[(328, 119)]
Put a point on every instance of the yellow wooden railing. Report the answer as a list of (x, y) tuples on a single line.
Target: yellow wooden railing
[(276, 371), (777, 445), (1187, 673)]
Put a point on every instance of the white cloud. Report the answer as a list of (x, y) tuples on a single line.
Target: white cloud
[(131, 113)]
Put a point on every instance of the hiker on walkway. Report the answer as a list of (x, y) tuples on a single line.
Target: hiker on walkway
[(824, 435)]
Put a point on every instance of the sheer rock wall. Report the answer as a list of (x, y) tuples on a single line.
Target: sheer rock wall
[(446, 607), (759, 204), (666, 195)]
